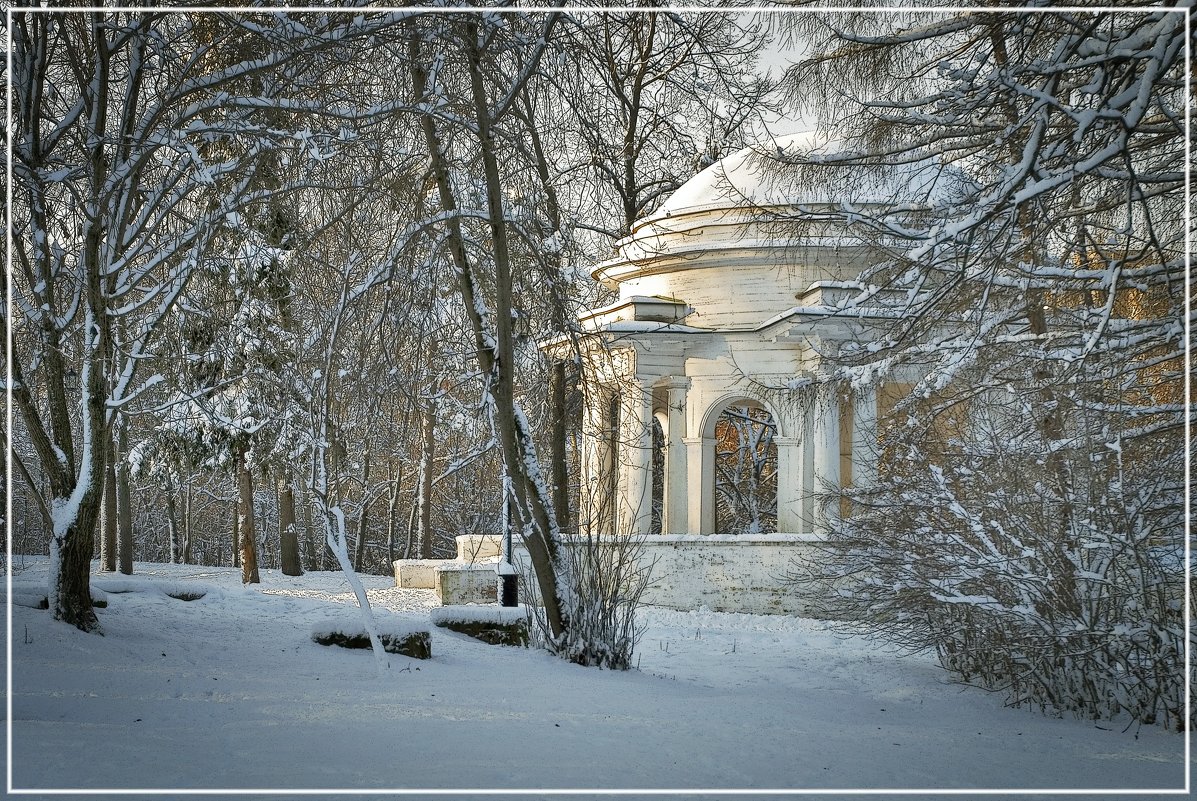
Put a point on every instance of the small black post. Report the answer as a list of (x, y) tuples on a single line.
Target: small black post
[(509, 594), (508, 577)]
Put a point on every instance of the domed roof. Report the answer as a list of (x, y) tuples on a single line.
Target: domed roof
[(766, 175), (745, 178), (744, 239)]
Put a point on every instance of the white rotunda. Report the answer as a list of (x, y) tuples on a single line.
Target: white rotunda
[(730, 298), (730, 295)]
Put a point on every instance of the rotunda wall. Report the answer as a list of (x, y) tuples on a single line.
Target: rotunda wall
[(741, 288)]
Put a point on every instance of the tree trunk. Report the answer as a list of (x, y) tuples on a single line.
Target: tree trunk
[(72, 601), (412, 546), (108, 534), (359, 551), (315, 549), (393, 515), (557, 452), (424, 528), (124, 501), (537, 521), (359, 554), (288, 539), (187, 525), (236, 532), (494, 346), (71, 546), (172, 521), (245, 518)]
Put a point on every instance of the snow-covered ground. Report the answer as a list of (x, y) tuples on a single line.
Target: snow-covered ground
[(229, 691)]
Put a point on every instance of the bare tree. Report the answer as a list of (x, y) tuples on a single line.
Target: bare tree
[(1025, 524), (656, 96), (113, 114)]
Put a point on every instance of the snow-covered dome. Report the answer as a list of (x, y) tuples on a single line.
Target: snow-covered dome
[(748, 177), (758, 219), (766, 176)]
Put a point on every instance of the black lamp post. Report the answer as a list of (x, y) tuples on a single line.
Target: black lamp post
[(508, 577)]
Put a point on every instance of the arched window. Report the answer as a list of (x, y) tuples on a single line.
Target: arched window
[(745, 470)]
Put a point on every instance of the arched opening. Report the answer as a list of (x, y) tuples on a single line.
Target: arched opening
[(745, 470), (658, 477)]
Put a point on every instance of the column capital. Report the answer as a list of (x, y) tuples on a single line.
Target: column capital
[(786, 441), (697, 440), (673, 382)]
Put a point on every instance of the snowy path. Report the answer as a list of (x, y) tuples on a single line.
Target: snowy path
[(228, 692)]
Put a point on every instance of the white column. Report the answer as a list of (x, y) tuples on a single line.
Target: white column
[(789, 485), (598, 463), (864, 436), (636, 459), (826, 456), (700, 465), (806, 474), (675, 502)]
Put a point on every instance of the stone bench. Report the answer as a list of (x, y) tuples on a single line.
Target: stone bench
[(470, 578), (397, 635), (494, 625)]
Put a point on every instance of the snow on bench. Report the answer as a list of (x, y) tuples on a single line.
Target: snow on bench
[(496, 625), (397, 635)]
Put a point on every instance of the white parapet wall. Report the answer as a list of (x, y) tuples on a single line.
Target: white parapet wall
[(725, 573), (478, 547)]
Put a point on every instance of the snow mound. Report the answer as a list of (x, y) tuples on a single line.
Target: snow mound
[(33, 595), (396, 635), (30, 595), (181, 590)]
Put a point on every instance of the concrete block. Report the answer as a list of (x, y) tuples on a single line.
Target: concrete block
[(478, 547), (417, 573), (463, 583)]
